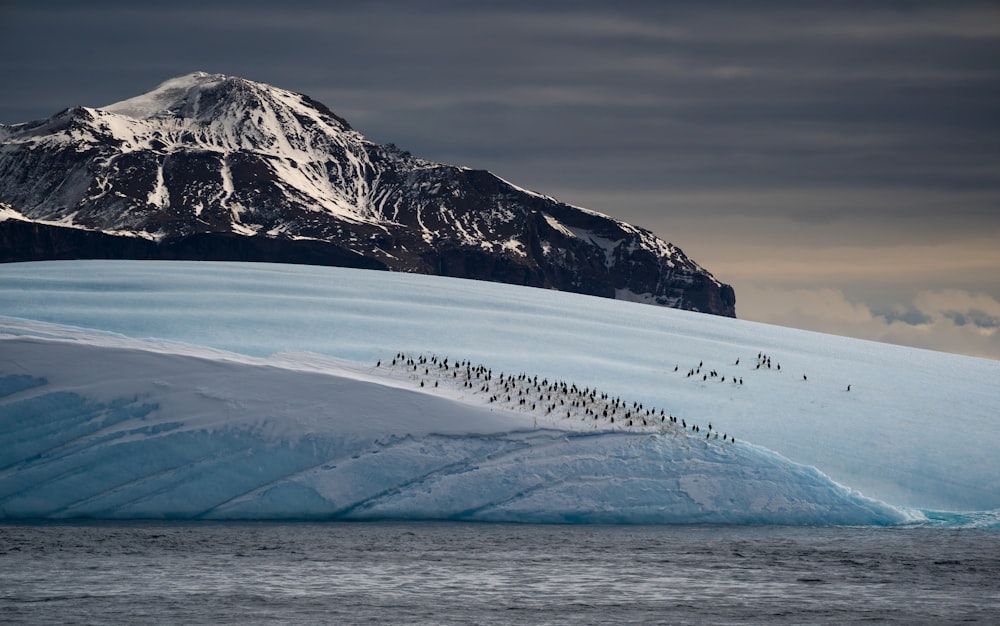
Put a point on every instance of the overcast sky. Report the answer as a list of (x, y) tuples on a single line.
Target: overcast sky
[(838, 163)]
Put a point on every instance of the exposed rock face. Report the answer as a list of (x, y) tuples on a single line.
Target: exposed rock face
[(220, 168)]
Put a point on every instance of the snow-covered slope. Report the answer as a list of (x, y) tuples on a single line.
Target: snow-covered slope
[(152, 430), (917, 429), (214, 167)]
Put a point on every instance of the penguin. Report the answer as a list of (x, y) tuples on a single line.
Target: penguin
[(848, 387)]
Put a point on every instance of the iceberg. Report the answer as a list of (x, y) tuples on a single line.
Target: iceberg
[(120, 428), (254, 391)]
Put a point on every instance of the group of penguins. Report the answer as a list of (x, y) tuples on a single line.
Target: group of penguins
[(526, 393), (763, 362)]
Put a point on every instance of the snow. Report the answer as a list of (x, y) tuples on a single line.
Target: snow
[(557, 226), (159, 196), (271, 405), (514, 246), (192, 112), (528, 191), (227, 184), (8, 213), (169, 94)]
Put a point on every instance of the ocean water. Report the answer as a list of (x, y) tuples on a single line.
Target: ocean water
[(462, 573)]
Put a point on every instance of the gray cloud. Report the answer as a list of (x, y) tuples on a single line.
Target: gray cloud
[(977, 318), (907, 315)]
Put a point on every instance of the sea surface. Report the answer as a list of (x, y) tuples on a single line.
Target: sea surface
[(463, 573)]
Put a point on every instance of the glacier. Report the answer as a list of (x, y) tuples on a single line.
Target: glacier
[(253, 391)]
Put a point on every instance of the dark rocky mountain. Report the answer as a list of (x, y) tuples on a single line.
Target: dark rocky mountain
[(212, 167)]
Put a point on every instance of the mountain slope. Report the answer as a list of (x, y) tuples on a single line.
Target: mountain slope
[(223, 160)]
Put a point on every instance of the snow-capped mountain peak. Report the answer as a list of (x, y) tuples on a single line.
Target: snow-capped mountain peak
[(171, 97), (221, 159), (200, 95)]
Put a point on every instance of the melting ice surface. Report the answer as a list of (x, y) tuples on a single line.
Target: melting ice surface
[(214, 390)]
